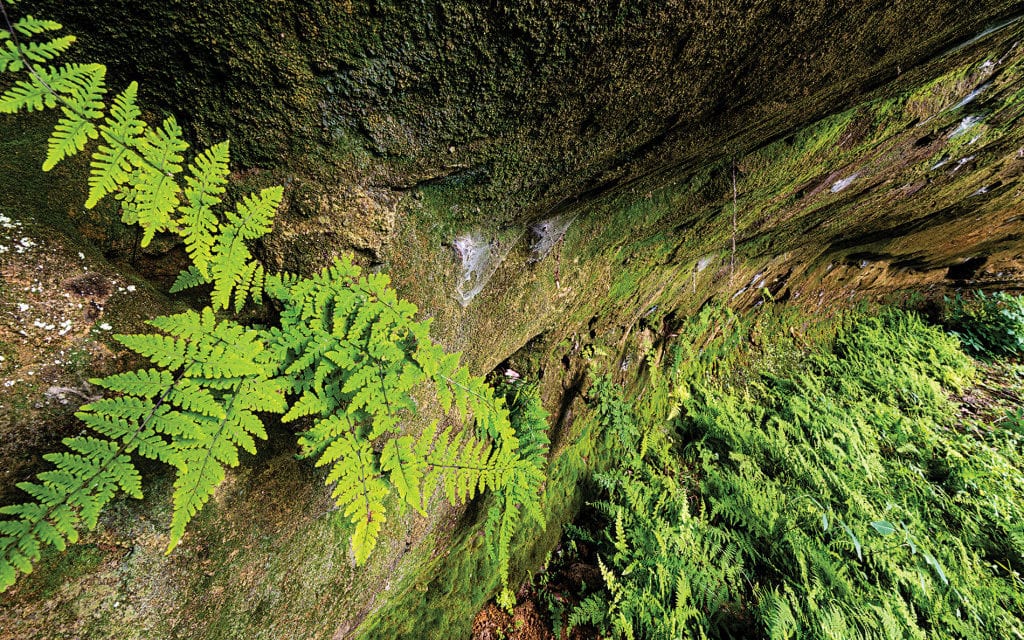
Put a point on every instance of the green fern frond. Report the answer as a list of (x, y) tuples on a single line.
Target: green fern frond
[(29, 26), (254, 217), (188, 279), (405, 470), (234, 272), (76, 127), (205, 184), (358, 488), (33, 95), (206, 453), (521, 496), (197, 410), (67, 498), (114, 160), (467, 466), (12, 57), (154, 192)]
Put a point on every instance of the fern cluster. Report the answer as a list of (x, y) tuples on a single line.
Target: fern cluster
[(141, 165), (346, 356), (838, 497)]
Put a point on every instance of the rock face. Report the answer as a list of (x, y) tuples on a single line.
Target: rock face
[(526, 106), (539, 177)]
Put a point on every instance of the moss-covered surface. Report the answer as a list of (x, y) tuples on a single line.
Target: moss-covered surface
[(518, 107), (357, 110)]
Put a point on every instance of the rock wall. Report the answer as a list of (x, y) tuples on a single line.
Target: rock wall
[(537, 178)]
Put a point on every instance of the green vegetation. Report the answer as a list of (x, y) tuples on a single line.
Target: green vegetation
[(987, 325), (779, 484), (520, 497), (344, 353)]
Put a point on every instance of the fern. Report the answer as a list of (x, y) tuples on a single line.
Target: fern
[(113, 162), (347, 352), (152, 196), (76, 127), (206, 182), (233, 270), (522, 496), (48, 87), (830, 497), (65, 499), (13, 56), (353, 356)]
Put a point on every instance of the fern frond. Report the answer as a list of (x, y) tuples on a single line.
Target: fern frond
[(205, 184), (12, 57), (254, 217), (405, 470), (197, 410), (188, 279), (29, 26), (206, 453), (155, 189), (115, 159), (521, 496), (67, 498), (45, 88), (358, 488), (467, 465), (592, 610), (76, 127), (235, 274)]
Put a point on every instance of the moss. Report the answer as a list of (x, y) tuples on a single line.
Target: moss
[(545, 98), (267, 558), (62, 568)]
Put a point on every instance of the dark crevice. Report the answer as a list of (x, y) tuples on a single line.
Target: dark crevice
[(967, 269)]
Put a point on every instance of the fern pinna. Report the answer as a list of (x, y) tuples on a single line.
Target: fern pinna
[(347, 355)]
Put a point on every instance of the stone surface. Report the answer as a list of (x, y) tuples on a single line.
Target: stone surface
[(819, 151)]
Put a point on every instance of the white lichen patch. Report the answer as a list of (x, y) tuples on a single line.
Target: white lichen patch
[(478, 264), (546, 234), (840, 185)]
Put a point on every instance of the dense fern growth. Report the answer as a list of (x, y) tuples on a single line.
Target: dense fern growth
[(830, 492), (666, 573), (346, 356)]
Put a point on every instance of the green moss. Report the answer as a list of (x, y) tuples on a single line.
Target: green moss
[(62, 568), (644, 215)]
